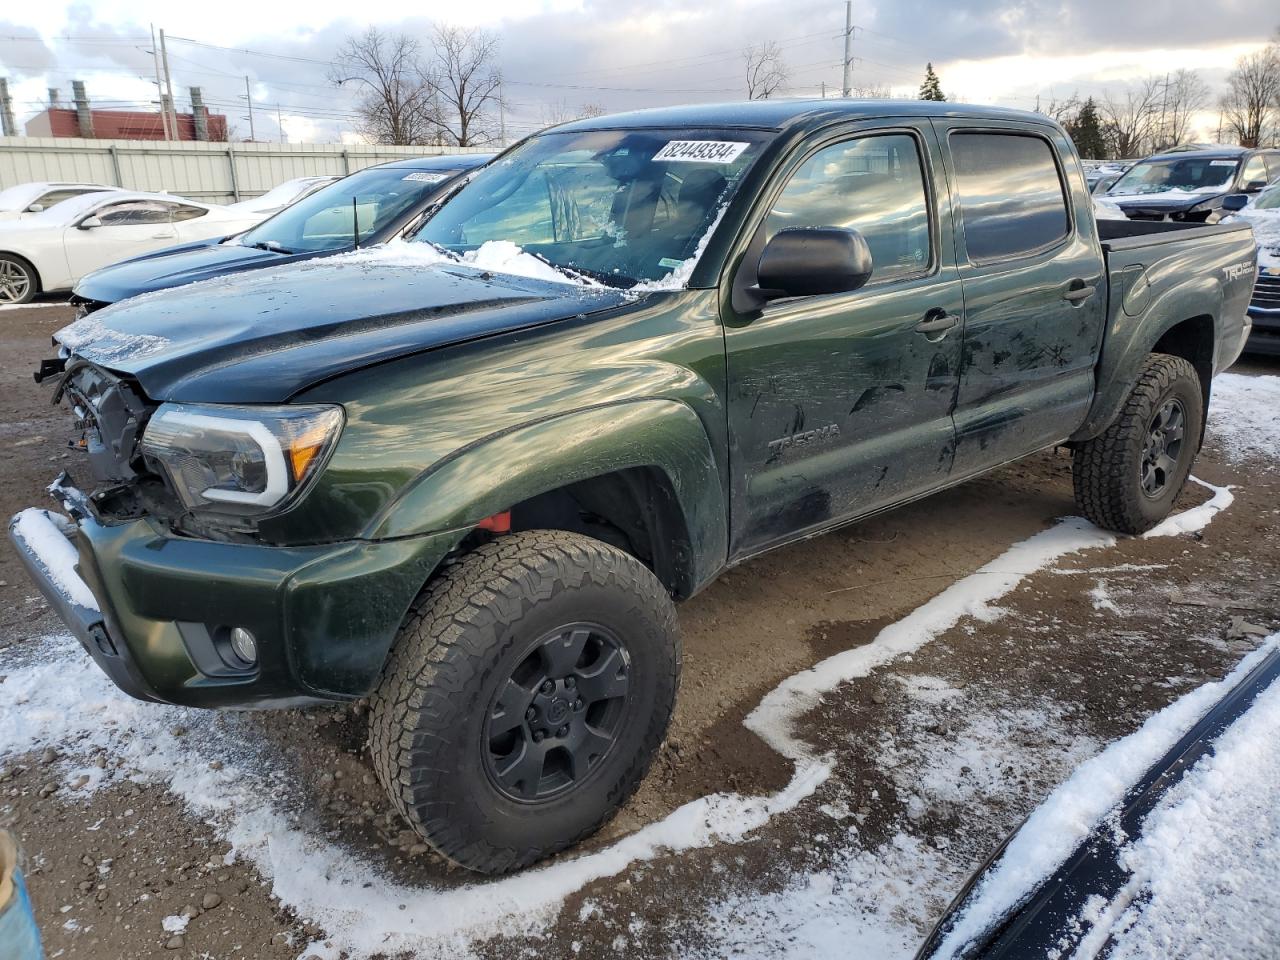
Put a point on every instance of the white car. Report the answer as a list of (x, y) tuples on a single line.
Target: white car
[(30, 198), (51, 250), (279, 197)]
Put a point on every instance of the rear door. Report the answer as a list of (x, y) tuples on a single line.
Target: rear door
[(1034, 290), (841, 403)]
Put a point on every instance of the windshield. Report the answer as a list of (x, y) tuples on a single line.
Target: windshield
[(327, 219), (1268, 199), (1190, 174), (19, 197), (620, 206)]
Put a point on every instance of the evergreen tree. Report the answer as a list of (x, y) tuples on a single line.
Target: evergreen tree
[(931, 89), (1086, 131)]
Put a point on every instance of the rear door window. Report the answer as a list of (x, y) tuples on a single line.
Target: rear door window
[(1012, 200)]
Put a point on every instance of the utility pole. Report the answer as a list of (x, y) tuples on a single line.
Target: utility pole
[(7, 126), (1164, 98), (167, 95), (824, 89), (279, 123), (502, 115), (248, 95), (164, 114), (848, 44)]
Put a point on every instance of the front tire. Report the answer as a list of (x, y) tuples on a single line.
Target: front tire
[(527, 692), (1127, 478), (18, 280)]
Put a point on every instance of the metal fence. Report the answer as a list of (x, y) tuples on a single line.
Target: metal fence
[(213, 172)]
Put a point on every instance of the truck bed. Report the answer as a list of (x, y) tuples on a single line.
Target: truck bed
[(1133, 234)]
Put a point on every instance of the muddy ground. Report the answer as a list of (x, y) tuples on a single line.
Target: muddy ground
[(937, 755)]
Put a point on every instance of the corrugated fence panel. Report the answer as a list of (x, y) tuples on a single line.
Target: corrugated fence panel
[(214, 172)]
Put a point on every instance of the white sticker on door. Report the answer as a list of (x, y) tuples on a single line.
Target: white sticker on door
[(700, 151)]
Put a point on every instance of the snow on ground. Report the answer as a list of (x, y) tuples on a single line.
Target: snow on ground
[(1073, 810), (1220, 823), (1244, 416)]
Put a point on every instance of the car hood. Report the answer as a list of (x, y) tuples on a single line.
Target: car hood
[(265, 336), (1165, 201), (174, 267)]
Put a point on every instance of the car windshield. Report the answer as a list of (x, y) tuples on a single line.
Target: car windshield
[(1268, 199), (619, 206), (327, 219), (1191, 174)]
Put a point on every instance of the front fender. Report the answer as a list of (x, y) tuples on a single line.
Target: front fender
[(492, 474)]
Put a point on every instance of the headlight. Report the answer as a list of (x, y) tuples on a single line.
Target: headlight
[(239, 460), (1201, 213)]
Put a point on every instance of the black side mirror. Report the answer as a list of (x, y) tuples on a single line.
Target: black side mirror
[(1253, 186), (808, 261), (1234, 202)]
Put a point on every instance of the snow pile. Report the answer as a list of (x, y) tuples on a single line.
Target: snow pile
[(679, 276), (1244, 417), (1205, 874), (1071, 812), (1107, 210), (55, 552), (175, 924), (1177, 193)]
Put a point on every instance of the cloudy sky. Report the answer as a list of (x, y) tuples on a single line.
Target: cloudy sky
[(557, 55)]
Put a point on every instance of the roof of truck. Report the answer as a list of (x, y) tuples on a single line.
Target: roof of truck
[(776, 114)]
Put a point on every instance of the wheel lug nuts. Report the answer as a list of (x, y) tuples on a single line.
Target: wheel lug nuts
[(538, 736), (563, 731), (530, 713), (570, 682), (577, 705), (547, 686)]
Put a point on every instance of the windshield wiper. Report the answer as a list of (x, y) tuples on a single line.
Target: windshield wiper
[(272, 246)]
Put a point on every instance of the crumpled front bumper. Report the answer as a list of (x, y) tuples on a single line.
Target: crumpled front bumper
[(148, 605)]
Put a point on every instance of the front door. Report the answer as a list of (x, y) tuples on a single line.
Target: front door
[(841, 404), (127, 229), (1034, 293)]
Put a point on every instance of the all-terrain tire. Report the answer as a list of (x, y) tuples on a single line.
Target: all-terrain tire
[(433, 713), (1108, 470)]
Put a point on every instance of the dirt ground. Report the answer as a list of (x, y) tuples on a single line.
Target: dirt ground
[(1077, 659)]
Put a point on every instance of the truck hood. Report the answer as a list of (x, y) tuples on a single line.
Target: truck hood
[(265, 336), (176, 266), (1166, 201)]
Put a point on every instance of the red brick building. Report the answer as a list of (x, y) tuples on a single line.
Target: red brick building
[(121, 125)]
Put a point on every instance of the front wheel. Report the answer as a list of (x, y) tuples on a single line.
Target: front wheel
[(1127, 478), (18, 282), (527, 692)]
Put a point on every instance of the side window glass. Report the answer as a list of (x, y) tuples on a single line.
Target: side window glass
[(134, 212), (57, 196), (874, 184), (184, 212), (1255, 169), (1012, 202)]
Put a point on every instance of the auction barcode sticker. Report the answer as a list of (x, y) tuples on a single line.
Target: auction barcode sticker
[(427, 177), (701, 151)]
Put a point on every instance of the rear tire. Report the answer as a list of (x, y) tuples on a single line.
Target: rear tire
[(18, 280), (1127, 478), (527, 692)]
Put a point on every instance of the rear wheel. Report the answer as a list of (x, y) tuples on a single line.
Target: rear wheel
[(18, 281), (528, 690), (1127, 478)]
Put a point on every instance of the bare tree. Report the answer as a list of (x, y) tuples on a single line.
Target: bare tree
[(1131, 122), (1064, 111), (468, 83), (766, 71), (560, 112), (1251, 104), (395, 97), (870, 91), (1183, 94)]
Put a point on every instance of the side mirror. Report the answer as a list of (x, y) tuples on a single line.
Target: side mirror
[(808, 261), (1234, 202), (88, 223), (1253, 186), (35, 208)]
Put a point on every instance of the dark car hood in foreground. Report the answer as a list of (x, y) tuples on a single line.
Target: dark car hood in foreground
[(263, 337), (176, 266)]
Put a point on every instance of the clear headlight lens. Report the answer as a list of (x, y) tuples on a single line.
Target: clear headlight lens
[(239, 460)]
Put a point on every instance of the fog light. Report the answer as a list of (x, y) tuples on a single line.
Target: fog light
[(243, 645)]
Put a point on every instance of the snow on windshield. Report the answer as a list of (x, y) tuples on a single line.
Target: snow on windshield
[(1175, 179), (498, 256)]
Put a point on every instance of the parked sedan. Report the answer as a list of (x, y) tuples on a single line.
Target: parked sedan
[(279, 197), (368, 207), (29, 198), (51, 250)]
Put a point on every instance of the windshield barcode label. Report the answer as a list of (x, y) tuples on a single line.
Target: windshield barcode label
[(427, 177), (701, 151)]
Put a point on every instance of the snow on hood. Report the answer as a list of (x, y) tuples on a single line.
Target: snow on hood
[(1175, 194), (498, 256), (107, 345)]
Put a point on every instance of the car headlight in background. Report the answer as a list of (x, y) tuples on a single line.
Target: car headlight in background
[(239, 460), (1201, 213)]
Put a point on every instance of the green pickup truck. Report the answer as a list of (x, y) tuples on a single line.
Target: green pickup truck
[(468, 476)]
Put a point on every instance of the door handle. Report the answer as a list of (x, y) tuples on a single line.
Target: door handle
[(937, 321), (1079, 294)]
